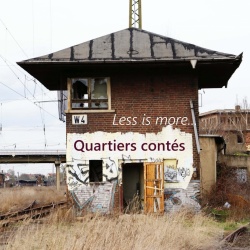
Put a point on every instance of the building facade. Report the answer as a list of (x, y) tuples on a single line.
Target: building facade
[(131, 112), (232, 124)]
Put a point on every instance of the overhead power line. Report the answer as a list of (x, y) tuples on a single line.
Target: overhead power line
[(13, 37), (10, 64), (28, 99), (16, 76), (27, 78), (24, 96)]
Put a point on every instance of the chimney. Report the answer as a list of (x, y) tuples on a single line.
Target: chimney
[(237, 108)]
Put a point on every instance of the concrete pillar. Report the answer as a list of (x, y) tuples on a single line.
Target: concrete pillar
[(57, 165)]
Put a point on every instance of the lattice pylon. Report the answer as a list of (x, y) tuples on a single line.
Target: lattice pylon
[(135, 17)]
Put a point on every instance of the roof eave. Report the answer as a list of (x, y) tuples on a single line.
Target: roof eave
[(156, 60), (212, 72)]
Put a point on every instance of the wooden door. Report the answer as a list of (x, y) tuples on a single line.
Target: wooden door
[(153, 187)]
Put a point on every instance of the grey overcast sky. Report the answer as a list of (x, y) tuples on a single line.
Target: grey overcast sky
[(33, 28)]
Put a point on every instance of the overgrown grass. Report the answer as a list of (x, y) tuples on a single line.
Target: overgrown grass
[(182, 230), (62, 230), (12, 199)]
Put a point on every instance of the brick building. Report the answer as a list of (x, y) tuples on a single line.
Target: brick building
[(131, 110), (232, 124)]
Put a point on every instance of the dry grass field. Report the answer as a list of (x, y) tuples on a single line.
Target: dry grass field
[(62, 230), (12, 199), (179, 231)]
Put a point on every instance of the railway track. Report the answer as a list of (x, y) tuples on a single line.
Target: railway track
[(238, 239), (30, 212)]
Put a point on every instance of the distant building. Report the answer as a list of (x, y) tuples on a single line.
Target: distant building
[(33, 180), (2, 177), (27, 183), (232, 124), (51, 179)]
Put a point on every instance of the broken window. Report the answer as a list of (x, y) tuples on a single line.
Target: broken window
[(95, 171), (90, 93), (239, 138)]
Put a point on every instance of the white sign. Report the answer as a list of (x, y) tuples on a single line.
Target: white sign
[(79, 119)]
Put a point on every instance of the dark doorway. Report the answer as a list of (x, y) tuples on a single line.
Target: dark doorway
[(133, 185)]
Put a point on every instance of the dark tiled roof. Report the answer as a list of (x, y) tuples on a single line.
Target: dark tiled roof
[(131, 49), (131, 44)]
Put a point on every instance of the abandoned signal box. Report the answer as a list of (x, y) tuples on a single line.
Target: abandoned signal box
[(113, 89)]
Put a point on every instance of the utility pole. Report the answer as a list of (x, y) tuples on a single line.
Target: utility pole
[(135, 17)]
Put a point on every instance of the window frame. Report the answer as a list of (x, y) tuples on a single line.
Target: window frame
[(88, 110)]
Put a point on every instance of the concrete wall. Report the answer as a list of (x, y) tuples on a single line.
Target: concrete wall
[(208, 157), (235, 161), (232, 143)]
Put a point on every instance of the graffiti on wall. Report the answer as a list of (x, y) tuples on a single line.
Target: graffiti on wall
[(114, 149), (95, 197), (178, 198), (78, 173), (241, 175), (173, 173), (111, 169)]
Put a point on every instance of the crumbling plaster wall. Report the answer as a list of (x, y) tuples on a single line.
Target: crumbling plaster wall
[(79, 154), (141, 93)]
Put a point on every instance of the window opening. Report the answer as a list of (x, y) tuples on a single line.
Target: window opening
[(239, 139), (89, 93), (95, 171)]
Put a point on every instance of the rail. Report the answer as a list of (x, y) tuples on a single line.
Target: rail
[(30, 212)]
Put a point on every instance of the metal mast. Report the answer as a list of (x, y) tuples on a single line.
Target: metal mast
[(135, 17)]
